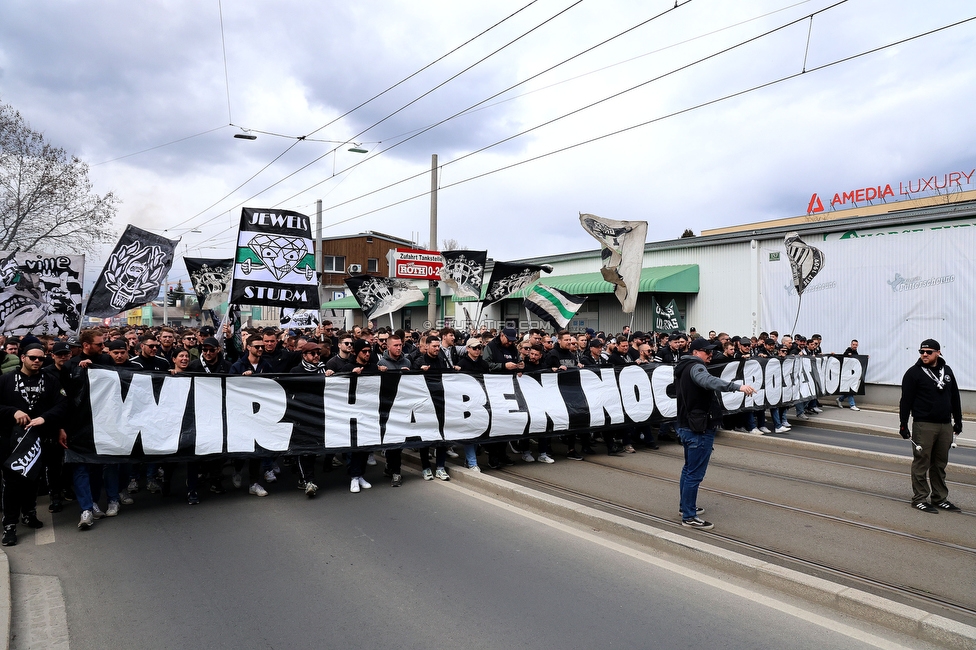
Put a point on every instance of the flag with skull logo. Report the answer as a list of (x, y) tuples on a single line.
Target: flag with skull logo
[(132, 274), (275, 261)]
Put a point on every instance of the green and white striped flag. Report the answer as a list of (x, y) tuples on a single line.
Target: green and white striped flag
[(552, 305)]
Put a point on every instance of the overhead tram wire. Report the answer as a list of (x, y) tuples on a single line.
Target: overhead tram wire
[(451, 78), (578, 110), (160, 146), (657, 119), (491, 97), (374, 97)]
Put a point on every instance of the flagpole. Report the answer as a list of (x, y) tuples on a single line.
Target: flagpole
[(392, 327), (630, 332)]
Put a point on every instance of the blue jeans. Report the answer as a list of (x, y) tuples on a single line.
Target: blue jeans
[(82, 480), (698, 450), (849, 397), (471, 455)]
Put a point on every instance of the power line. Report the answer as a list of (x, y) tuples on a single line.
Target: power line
[(223, 49), (160, 146), (468, 68), (660, 118)]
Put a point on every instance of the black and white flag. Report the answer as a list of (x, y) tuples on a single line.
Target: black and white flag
[(132, 274), (40, 293), (805, 261), (464, 271), (275, 263), (623, 254), (507, 278), (378, 296), (552, 305), (300, 318), (210, 280)]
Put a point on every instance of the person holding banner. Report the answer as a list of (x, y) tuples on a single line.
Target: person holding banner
[(32, 406), (930, 395), (252, 363), (699, 412)]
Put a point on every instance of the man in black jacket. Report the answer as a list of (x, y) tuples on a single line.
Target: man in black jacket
[(29, 399), (698, 414), (930, 394)]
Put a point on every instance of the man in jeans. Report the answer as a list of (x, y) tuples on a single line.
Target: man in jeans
[(699, 413)]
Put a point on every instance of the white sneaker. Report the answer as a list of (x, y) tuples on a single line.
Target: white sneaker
[(354, 486), (854, 408), (451, 453), (442, 474), (817, 409), (544, 458), (237, 481), (270, 477), (124, 498), (257, 490), (311, 489), (764, 430), (363, 484), (782, 429), (527, 457), (87, 520), (427, 474), (840, 404), (803, 416), (475, 468), (371, 460), (113, 509), (756, 431), (97, 512)]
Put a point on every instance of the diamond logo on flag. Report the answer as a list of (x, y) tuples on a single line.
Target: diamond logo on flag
[(280, 254)]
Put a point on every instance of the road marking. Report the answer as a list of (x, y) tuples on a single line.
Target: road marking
[(772, 603), (44, 535)]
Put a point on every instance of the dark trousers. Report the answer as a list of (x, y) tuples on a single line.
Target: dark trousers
[(394, 458), (306, 467), (19, 496), (52, 457), (928, 467), (440, 456)]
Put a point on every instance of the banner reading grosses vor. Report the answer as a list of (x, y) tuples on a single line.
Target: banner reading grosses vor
[(137, 415)]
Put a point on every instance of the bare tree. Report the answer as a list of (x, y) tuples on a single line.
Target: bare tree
[(687, 233), (46, 198), (452, 245)]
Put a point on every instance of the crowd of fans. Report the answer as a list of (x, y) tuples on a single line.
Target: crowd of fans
[(36, 369)]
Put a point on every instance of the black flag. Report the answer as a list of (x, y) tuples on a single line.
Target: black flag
[(132, 274), (805, 261), (508, 277), (378, 296), (464, 271), (210, 280)]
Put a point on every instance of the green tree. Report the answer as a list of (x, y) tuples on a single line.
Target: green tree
[(46, 198)]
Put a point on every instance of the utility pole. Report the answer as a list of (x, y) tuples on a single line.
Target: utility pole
[(319, 259), (432, 284)]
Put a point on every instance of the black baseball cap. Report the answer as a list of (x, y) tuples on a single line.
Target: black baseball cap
[(702, 343)]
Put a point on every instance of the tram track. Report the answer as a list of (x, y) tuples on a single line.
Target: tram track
[(903, 593)]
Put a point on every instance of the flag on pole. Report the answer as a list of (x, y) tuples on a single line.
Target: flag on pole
[(805, 261), (623, 254), (508, 277), (552, 305), (464, 271), (210, 280), (132, 274), (378, 296)]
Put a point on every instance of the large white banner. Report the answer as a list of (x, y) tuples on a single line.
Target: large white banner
[(889, 289)]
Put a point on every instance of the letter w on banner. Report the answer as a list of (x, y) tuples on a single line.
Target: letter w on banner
[(275, 263), (623, 254)]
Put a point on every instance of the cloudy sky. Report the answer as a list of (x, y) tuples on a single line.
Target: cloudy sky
[(110, 81)]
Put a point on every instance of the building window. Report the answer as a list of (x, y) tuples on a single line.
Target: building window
[(372, 265), (333, 264)]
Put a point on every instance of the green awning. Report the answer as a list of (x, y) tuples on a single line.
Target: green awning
[(682, 278), (350, 302)]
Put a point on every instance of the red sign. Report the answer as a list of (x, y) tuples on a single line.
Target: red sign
[(417, 265), (948, 181)]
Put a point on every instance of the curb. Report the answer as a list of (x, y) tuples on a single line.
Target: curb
[(967, 470), (895, 616), (6, 605)]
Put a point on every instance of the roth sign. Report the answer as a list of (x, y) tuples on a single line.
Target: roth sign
[(415, 264)]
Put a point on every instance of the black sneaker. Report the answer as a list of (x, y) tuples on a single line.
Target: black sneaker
[(397, 480), (493, 463), (574, 455), (216, 487), (387, 472), (926, 507), (192, 498), (31, 521), (9, 535), (56, 505), (506, 461), (589, 451), (948, 505), (698, 511), (698, 523)]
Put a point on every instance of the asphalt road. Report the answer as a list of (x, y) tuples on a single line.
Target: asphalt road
[(428, 565)]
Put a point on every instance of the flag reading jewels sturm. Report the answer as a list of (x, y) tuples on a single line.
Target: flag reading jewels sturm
[(275, 262), (623, 254), (552, 305), (132, 273)]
